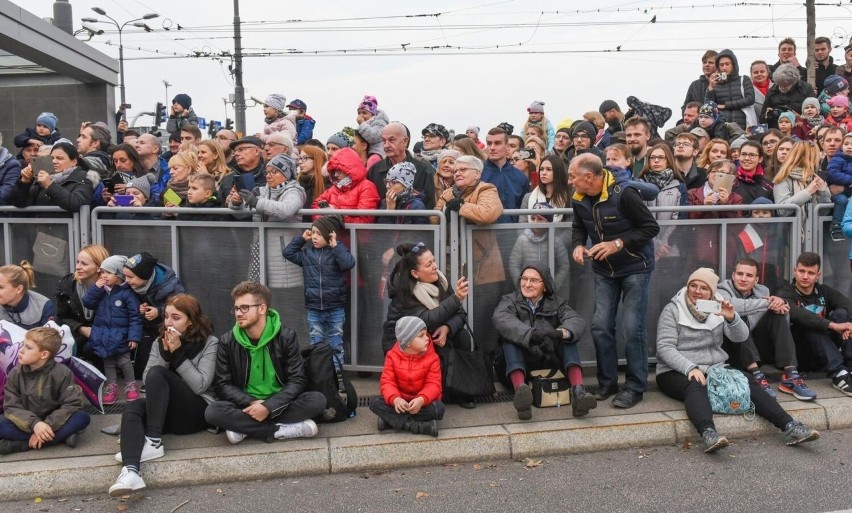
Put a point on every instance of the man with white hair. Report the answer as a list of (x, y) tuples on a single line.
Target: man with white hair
[(395, 141), (276, 144), (787, 93)]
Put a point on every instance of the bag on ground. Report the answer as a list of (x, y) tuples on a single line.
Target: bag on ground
[(340, 396)]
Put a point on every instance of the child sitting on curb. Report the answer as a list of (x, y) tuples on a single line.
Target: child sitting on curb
[(410, 383), (42, 405)]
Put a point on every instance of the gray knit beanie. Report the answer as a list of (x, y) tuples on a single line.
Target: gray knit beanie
[(407, 329)]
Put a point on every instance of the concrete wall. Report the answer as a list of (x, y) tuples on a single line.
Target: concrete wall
[(23, 98)]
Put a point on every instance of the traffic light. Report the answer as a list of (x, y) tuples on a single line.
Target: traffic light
[(211, 129), (229, 124), (160, 114)]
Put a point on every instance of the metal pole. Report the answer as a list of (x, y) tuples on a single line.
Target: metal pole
[(121, 64), (239, 91), (811, 63)]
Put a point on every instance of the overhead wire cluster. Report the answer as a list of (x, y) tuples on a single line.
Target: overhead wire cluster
[(180, 34)]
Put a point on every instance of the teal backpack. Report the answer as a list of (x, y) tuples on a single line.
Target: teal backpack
[(728, 392)]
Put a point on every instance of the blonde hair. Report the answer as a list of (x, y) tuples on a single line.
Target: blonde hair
[(596, 118), (96, 252), (704, 158), (804, 156), (218, 168), (46, 339), (19, 275), (187, 158)]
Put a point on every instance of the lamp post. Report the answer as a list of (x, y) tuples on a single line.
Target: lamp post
[(120, 27)]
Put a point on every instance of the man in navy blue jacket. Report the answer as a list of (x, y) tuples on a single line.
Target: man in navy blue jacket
[(511, 183)]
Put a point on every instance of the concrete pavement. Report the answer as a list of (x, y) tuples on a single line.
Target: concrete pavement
[(491, 431)]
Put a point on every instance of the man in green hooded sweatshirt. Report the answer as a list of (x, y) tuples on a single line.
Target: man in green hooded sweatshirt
[(260, 376)]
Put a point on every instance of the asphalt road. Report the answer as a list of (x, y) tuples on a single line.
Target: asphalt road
[(754, 475)]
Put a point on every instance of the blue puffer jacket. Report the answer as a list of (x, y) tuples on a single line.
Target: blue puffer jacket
[(304, 129), (324, 270), (840, 170), (164, 284), (117, 319), (10, 173)]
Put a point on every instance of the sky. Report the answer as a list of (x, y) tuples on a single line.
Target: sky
[(458, 63)]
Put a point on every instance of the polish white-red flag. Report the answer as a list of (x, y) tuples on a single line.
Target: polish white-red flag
[(750, 239)]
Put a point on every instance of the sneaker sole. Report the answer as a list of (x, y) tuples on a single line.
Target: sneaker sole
[(845, 391), (141, 459), (782, 388), (810, 438), (523, 402), (120, 492), (721, 444)]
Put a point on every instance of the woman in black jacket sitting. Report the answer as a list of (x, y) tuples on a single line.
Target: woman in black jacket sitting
[(67, 187), (417, 288)]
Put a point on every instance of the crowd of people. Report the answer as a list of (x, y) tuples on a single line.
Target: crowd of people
[(762, 138)]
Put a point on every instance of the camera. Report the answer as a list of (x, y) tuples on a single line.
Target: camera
[(322, 204), (527, 153), (721, 77)]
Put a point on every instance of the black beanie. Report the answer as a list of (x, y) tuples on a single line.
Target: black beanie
[(326, 225), (142, 265), (183, 100)]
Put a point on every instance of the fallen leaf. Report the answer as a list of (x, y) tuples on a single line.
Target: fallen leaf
[(421, 495), (451, 464), (530, 463), (218, 490), (61, 500), (492, 485), (687, 445), (122, 507), (477, 466), (125, 497)]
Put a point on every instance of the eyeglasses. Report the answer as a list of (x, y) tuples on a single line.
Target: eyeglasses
[(683, 144), (533, 281), (243, 308), (657, 157), (241, 149), (417, 248), (749, 155), (515, 160), (581, 136), (304, 159), (464, 169), (272, 144), (769, 142)]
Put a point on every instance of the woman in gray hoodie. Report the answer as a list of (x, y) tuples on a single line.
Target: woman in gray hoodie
[(689, 344)]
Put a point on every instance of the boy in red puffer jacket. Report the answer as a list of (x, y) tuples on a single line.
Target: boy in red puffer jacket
[(411, 382)]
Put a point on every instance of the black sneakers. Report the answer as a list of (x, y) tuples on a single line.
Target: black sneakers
[(713, 441), (604, 393), (627, 399)]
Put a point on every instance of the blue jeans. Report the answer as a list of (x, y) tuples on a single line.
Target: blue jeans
[(76, 422), (840, 202), (327, 326), (632, 290), (514, 356)]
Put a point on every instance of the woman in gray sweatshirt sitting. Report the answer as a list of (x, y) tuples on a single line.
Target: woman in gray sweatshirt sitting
[(689, 344)]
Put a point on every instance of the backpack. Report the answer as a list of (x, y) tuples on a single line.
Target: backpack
[(728, 392), (340, 396)]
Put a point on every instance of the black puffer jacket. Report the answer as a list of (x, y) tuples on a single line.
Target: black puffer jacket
[(515, 321), (233, 362), (71, 195), (781, 102), (734, 93), (69, 309), (449, 312)]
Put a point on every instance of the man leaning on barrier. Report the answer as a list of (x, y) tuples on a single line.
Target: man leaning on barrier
[(612, 214)]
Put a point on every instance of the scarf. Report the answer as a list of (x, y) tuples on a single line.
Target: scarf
[(661, 179), (763, 87), (275, 192), (431, 155), (528, 233), (749, 176), (699, 316), (81, 293), (817, 121), (428, 293), (144, 288), (187, 351), (180, 188), (62, 176)]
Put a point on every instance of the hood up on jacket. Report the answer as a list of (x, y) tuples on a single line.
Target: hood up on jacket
[(546, 276), (347, 161), (729, 54)]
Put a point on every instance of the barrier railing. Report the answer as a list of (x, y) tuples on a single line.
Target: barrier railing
[(212, 256), (835, 254), (48, 237), (496, 254)]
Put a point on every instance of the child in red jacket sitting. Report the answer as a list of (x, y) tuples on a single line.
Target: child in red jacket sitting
[(411, 382)]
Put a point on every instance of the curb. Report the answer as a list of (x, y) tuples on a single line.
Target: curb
[(374, 452)]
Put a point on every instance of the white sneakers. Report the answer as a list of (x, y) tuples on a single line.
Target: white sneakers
[(127, 482), (149, 452), (235, 437), (304, 429)]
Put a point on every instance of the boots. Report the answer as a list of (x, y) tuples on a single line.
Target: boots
[(582, 401), (424, 428)]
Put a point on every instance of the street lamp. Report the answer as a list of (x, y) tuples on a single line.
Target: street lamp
[(120, 27)]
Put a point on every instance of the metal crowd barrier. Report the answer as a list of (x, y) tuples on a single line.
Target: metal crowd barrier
[(715, 243), (212, 256)]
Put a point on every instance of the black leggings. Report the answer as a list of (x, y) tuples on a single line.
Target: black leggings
[(170, 406), (694, 396)]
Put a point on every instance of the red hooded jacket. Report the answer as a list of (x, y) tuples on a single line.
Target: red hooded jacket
[(358, 194)]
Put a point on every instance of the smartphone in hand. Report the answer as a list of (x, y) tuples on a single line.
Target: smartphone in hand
[(708, 306)]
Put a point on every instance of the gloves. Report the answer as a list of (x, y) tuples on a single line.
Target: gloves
[(248, 198), (454, 204), (538, 335)]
